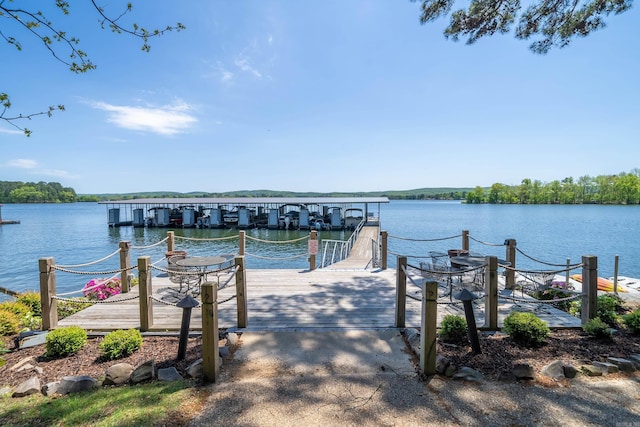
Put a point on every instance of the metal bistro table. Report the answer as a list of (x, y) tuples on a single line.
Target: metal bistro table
[(470, 262), (199, 264)]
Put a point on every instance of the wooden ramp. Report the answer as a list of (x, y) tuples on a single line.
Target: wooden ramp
[(296, 300), (360, 257)]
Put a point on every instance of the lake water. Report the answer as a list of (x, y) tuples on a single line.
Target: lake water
[(78, 233)]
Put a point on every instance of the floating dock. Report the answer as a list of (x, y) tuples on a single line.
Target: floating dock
[(294, 213)]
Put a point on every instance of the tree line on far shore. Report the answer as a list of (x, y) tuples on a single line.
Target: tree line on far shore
[(621, 189)]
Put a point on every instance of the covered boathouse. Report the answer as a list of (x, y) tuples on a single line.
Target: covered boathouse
[(296, 213)]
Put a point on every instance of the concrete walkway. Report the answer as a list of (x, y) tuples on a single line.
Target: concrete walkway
[(367, 378)]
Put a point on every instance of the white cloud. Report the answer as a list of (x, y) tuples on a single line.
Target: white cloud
[(12, 131), (243, 63), (166, 120), (22, 163)]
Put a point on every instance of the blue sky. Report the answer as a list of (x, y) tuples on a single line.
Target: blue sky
[(316, 96)]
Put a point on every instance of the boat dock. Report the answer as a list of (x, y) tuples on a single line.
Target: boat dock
[(351, 294)]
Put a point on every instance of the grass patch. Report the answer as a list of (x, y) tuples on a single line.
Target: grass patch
[(150, 404)]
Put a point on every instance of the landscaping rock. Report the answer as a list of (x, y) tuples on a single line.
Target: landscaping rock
[(624, 365), (23, 362), (195, 369), (591, 370), (570, 371), (554, 370), (30, 386), (76, 384), (635, 358), (468, 374), (169, 374), (442, 363), (50, 389), (607, 368), (117, 374), (143, 372), (232, 339), (523, 371), (224, 352), (5, 391)]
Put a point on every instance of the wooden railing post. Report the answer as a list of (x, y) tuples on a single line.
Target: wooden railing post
[(589, 288), (144, 287), (47, 294), (510, 279), (171, 241), (241, 242), (465, 240), (313, 249), (491, 294), (210, 352), (428, 330), (401, 292), (241, 292), (383, 252), (125, 266)]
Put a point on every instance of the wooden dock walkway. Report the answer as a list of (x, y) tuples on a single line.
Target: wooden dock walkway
[(350, 294)]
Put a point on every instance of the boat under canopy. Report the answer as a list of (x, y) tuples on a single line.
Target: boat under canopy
[(242, 212)]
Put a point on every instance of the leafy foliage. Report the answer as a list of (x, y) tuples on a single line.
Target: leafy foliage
[(32, 300), (65, 341), (9, 322), (61, 45), (632, 321), (597, 328), (453, 329), (40, 192), (67, 308), (121, 343), (555, 23), (526, 328)]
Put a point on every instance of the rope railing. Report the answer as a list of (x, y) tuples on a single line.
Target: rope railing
[(93, 273), (276, 258), (485, 243), (558, 271), (207, 239), (151, 245), (255, 239), (424, 240), (546, 263), (91, 262)]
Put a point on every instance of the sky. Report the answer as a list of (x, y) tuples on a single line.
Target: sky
[(328, 96)]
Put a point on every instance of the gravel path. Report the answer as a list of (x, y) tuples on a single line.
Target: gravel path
[(318, 386)]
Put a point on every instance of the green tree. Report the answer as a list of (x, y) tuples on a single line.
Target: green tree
[(34, 23), (553, 23)]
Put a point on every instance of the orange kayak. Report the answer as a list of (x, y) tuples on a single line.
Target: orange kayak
[(603, 284)]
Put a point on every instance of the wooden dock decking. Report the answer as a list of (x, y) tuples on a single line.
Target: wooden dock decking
[(299, 300), (347, 295)]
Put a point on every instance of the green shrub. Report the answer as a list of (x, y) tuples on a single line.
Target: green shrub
[(632, 320), (65, 341), (609, 305), (9, 322), (121, 343), (453, 329), (597, 328), (67, 308), (17, 308), (3, 350), (526, 328), (31, 299)]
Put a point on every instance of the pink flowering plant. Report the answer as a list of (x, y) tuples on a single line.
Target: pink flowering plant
[(101, 289)]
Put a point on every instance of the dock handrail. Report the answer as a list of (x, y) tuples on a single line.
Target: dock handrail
[(339, 249)]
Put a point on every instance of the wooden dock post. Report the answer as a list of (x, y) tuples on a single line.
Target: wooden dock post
[(401, 292), (171, 241), (384, 237), (589, 288), (510, 280), (428, 329), (241, 293), (47, 294), (465, 240), (313, 249), (210, 352), (491, 294), (145, 289), (241, 242), (125, 266)]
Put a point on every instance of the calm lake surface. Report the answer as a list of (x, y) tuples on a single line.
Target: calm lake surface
[(78, 233)]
